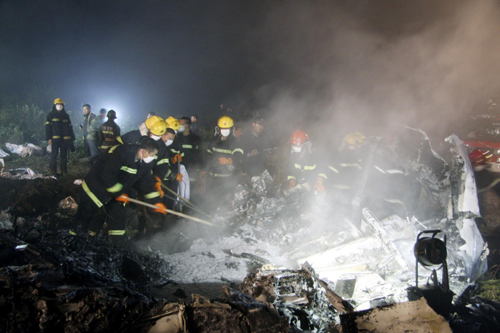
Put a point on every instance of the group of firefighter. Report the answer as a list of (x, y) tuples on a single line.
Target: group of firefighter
[(162, 162)]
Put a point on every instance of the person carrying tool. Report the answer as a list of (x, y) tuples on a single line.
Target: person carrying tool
[(115, 173), (223, 161), (303, 166), (59, 134), (110, 133)]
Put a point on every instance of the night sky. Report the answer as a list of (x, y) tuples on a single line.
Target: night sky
[(187, 57)]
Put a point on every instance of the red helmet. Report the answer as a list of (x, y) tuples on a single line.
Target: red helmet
[(299, 137)]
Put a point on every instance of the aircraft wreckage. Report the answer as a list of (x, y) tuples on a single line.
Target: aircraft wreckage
[(302, 265)]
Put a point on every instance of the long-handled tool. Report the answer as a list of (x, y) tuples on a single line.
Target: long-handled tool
[(189, 203), (172, 212)]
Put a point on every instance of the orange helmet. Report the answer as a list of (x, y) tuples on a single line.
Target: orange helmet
[(299, 137)]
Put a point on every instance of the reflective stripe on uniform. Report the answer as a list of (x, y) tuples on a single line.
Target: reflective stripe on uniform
[(323, 175), (56, 119), (238, 150), (115, 188), (152, 195), (56, 137), (65, 120), (224, 151), (291, 177), (379, 169), (108, 132), (129, 170), (112, 149), (67, 138), (297, 166), (218, 174), (333, 169), (187, 146), (119, 139), (47, 123), (91, 195), (116, 232), (309, 167), (209, 151), (163, 161)]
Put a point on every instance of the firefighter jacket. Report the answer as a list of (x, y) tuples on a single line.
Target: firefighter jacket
[(117, 171), (219, 152), (164, 167), (132, 137), (190, 147), (95, 128), (305, 167), (87, 120), (110, 135), (255, 165), (58, 126)]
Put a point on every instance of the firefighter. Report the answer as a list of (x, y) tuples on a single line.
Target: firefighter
[(190, 147), (257, 145), (177, 177), (303, 166), (110, 133), (121, 169), (223, 161), (155, 128), (59, 134), (88, 116)]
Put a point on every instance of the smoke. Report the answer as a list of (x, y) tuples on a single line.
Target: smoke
[(369, 67)]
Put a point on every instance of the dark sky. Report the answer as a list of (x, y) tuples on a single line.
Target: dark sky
[(185, 57)]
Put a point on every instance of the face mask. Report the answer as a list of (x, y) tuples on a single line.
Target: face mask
[(155, 137), (225, 131), (182, 128), (296, 149), (59, 107), (148, 159), (169, 142)]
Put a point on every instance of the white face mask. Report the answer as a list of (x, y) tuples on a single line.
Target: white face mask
[(182, 128), (59, 107), (148, 159), (169, 142), (156, 137), (296, 149), (225, 131)]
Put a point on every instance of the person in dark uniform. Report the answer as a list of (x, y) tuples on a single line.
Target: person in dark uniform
[(110, 133), (121, 169), (257, 146), (223, 163), (190, 145), (59, 134), (303, 165)]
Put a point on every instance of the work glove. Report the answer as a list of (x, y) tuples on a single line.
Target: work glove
[(178, 177), (158, 186), (123, 198), (319, 188), (161, 208), (177, 157), (292, 183), (224, 160)]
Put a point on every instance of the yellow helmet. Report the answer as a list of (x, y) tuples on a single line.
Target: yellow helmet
[(58, 101), (173, 123), (354, 139), (225, 122), (156, 125)]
